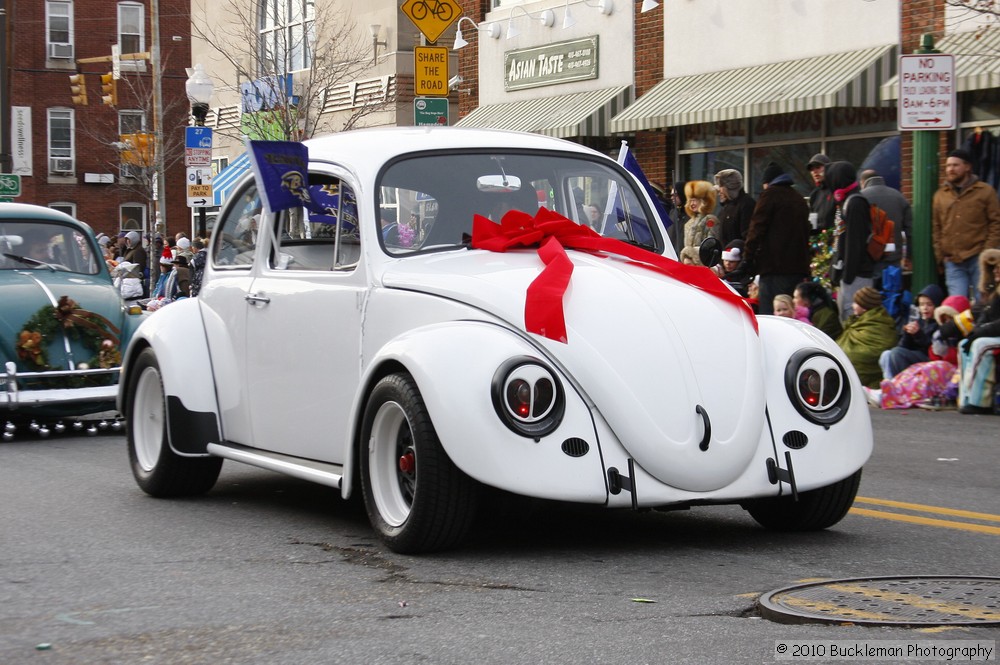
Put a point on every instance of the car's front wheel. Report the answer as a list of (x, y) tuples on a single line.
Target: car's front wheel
[(158, 470), (816, 509), (415, 496)]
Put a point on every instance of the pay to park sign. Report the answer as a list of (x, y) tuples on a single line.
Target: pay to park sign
[(927, 94)]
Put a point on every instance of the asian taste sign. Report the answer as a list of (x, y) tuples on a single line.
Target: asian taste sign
[(430, 71), (563, 62)]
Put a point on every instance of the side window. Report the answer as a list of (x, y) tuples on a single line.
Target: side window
[(322, 236), (235, 239)]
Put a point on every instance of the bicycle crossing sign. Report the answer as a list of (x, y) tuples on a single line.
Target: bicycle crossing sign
[(432, 17), (10, 185)]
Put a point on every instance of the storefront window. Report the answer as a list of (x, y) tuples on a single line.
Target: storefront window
[(714, 134), (865, 137), (792, 158), (704, 165), (981, 106)]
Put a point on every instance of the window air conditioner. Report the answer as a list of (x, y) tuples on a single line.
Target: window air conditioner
[(61, 51), (61, 165)]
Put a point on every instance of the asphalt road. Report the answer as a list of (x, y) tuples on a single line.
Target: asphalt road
[(268, 569)]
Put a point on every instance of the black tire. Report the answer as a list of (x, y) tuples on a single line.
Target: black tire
[(815, 510), (416, 498), (158, 470)]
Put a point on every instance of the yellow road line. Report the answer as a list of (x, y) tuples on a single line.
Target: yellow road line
[(927, 521), (914, 600), (929, 509)]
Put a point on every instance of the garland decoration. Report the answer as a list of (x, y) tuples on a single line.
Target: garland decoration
[(49, 323)]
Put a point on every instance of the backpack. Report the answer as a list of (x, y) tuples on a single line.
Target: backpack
[(882, 232)]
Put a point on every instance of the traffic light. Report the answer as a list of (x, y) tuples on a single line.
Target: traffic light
[(109, 89), (78, 89)]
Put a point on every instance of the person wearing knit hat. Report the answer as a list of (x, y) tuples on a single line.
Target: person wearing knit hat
[(737, 206), (731, 270), (965, 220), (976, 353), (771, 172), (777, 244), (184, 249), (867, 334), (865, 299), (918, 334), (136, 253)]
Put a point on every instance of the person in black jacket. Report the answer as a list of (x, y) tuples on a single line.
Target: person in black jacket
[(853, 267), (918, 333), (821, 203), (737, 207), (678, 215), (777, 245)]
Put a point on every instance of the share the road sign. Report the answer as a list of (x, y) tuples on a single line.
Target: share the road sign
[(927, 95)]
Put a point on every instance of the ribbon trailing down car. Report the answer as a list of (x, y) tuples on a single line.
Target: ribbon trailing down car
[(439, 310)]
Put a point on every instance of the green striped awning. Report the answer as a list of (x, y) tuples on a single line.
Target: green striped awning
[(562, 116), (977, 66), (826, 81)]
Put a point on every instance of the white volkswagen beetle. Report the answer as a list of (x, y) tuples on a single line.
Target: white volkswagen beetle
[(457, 319)]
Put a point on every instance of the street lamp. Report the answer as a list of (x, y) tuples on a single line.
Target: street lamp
[(199, 89)]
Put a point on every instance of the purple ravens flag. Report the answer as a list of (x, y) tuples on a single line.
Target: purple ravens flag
[(281, 169), (640, 230), (326, 207), (632, 166)]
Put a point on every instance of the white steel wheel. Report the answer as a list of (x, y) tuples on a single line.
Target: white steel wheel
[(393, 464), (417, 500), (149, 424), (158, 470)]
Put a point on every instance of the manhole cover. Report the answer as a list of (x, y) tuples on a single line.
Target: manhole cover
[(896, 601)]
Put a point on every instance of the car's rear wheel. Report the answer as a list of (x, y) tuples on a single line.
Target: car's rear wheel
[(816, 509), (158, 470), (416, 498)]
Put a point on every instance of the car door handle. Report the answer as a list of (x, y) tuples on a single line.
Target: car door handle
[(255, 299)]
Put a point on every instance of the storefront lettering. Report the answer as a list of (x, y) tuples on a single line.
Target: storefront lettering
[(807, 121), (573, 60), (541, 66)]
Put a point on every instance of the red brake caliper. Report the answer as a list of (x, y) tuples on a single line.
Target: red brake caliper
[(406, 463)]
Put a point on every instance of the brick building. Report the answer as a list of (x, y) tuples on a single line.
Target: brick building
[(69, 154)]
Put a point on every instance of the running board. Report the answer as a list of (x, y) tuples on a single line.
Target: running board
[(317, 472)]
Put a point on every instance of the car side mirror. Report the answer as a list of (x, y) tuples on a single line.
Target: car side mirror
[(710, 252)]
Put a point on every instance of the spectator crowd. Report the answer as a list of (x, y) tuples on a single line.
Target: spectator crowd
[(829, 260)]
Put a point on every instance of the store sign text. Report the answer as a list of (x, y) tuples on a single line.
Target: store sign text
[(574, 60)]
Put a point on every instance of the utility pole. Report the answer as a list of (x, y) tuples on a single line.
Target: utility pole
[(925, 181), (160, 214), (6, 158)]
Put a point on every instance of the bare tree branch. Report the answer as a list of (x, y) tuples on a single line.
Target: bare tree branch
[(326, 54)]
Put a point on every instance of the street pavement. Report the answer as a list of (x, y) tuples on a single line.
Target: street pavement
[(269, 569)]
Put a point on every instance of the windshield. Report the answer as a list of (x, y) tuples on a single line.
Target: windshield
[(428, 201), (33, 244)]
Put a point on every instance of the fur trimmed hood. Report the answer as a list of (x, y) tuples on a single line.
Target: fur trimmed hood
[(987, 259)]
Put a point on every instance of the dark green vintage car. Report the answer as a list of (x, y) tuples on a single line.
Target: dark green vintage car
[(63, 324)]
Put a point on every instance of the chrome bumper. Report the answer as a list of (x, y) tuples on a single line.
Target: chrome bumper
[(12, 396)]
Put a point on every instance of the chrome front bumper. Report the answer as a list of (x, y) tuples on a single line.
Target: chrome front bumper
[(13, 397)]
